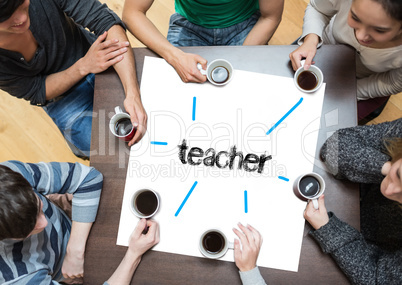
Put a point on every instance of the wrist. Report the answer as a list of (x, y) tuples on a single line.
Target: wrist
[(173, 56), (133, 258), (76, 251), (312, 39), (81, 67), (246, 268), (132, 93)]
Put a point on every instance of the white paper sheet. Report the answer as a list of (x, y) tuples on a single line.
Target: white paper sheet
[(240, 114)]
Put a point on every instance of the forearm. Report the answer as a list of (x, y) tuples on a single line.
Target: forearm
[(78, 239), (315, 21), (60, 82), (380, 84), (124, 272), (363, 263), (145, 31), (252, 277), (126, 67), (358, 153), (263, 31)]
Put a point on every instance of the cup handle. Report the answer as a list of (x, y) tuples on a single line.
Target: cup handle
[(230, 245), (315, 203), (117, 110), (203, 71)]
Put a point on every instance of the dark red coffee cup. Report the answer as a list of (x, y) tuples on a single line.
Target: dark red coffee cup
[(120, 125)]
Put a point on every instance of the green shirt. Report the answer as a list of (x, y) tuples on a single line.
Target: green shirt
[(215, 13)]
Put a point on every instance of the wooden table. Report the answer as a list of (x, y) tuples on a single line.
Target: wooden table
[(110, 156)]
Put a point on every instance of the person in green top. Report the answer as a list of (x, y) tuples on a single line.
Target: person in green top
[(203, 23)]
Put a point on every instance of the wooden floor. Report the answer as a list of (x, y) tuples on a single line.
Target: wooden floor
[(28, 134)]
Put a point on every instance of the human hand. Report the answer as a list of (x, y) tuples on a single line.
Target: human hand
[(139, 118), (251, 241), (307, 50), (316, 218), (73, 265), (102, 54), (185, 65), (139, 242)]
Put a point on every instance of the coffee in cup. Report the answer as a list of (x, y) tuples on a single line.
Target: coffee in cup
[(123, 127), (120, 125), (145, 203), (219, 72), (309, 80), (309, 186), (214, 244)]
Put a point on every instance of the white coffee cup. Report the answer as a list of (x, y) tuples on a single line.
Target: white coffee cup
[(309, 186), (214, 244), (309, 80), (118, 118), (219, 72), (145, 203)]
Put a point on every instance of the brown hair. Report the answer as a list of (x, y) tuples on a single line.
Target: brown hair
[(19, 205), (392, 7)]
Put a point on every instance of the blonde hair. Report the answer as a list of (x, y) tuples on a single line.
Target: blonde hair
[(394, 148)]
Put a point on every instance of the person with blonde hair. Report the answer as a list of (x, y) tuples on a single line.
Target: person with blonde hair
[(372, 156)]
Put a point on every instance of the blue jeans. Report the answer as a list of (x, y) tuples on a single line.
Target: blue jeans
[(184, 33), (72, 113)]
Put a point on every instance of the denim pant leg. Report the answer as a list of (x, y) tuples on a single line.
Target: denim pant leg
[(184, 33), (73, 116)]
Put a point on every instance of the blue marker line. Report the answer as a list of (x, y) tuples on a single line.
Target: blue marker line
[(185, 199), (245, 202), (158, 143), (194, 105), (283, 178), (284, 117)]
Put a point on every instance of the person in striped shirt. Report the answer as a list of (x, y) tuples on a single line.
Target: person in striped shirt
[(39, 244)]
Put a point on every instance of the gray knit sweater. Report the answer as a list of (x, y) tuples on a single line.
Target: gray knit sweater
[(374, 255)]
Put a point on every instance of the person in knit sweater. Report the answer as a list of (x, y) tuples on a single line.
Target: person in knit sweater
[(370, 155)]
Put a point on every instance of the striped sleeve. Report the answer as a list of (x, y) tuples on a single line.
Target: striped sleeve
[(40, 277), (85, 183)]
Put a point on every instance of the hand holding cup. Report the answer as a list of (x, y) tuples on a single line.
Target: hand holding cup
[(120, 125), (316, 217), (309, 80), (219, 72)]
